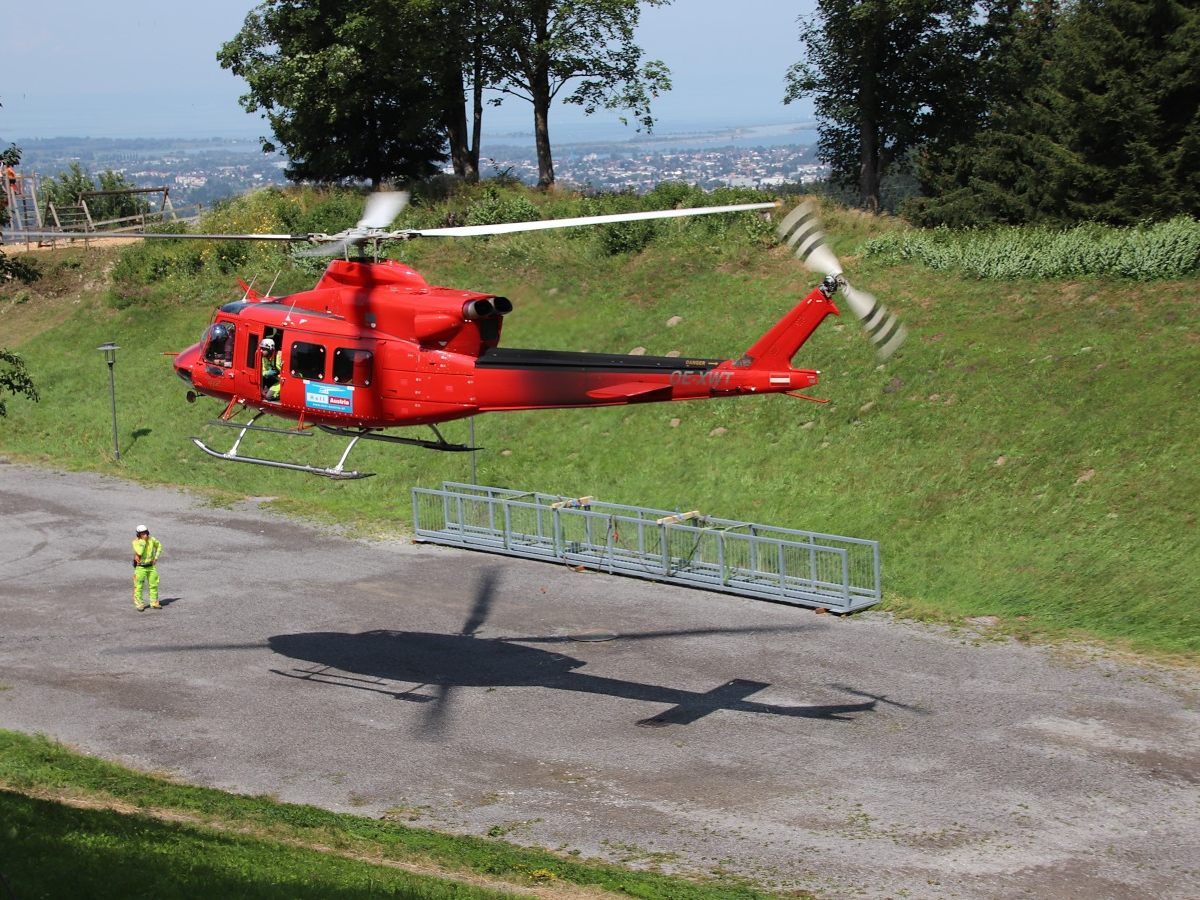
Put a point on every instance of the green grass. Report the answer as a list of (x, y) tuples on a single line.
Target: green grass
[(129, 834), (1031, 453)]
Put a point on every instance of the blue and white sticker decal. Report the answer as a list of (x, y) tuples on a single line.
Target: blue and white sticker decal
[(331, 397)]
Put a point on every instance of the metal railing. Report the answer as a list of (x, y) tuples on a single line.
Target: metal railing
[(786, 565)]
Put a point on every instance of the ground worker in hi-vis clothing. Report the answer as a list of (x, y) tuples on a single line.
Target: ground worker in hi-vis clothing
[(146, 551)]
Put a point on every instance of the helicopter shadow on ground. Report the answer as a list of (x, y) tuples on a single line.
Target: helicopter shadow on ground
[(383, 661), (430, 668), (445, 663)]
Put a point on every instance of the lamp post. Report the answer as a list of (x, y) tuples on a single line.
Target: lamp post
[(110, 356)]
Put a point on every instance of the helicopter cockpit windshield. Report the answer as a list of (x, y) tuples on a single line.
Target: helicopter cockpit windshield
[(218, 344)]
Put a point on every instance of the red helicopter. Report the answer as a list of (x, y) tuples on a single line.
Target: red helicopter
[(373, 346)]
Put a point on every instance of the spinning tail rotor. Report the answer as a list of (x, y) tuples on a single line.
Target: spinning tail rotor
[(801, 230)]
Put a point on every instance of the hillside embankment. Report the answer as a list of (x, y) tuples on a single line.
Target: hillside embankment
[(1030, 460)]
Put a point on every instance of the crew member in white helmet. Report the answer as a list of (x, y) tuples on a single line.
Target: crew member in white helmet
[(146, 551), (270, 370)]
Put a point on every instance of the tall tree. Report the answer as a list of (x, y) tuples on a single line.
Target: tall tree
[(456, 37), (887, 76), (543, 45), (347, 94)]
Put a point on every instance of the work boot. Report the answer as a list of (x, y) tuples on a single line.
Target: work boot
[(139, 606), (156, 605)]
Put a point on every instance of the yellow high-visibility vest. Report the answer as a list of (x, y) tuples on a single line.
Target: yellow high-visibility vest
[(147, 549)]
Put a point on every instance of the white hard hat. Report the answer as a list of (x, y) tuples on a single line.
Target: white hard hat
[(268, 344), (142, 528)]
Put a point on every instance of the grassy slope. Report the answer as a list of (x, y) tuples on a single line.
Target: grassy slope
[(1031, 454), (78, 826)]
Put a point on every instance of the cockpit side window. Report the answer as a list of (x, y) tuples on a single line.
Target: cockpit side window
[(218, 347)]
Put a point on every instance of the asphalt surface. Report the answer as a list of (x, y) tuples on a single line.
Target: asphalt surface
[(852, 757)]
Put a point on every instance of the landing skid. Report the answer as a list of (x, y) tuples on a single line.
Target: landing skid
[(338, 472)]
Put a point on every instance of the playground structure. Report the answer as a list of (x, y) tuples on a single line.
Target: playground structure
[(27, 212)]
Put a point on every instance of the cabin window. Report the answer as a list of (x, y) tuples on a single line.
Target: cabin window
[(353, 366), (308, 361)]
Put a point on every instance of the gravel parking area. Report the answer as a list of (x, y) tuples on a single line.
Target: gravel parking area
[(855, 756)]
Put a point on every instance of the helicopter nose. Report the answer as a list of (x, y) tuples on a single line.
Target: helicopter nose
[(184, 362)]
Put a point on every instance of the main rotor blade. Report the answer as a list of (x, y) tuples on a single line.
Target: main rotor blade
[(483, 603), (17, 237), (382, 208), (512, 227), (801, 230)]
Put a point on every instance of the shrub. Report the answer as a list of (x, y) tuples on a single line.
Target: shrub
[(495, 208), (627, 237), (1162, 250)]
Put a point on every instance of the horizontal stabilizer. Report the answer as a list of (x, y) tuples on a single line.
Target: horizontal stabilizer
[(630, 390)]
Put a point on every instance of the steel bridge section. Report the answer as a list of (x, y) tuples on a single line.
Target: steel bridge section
[(785, 565)]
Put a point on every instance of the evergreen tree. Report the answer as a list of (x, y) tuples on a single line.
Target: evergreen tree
[(1123, 67), (71, 185), (1017, 165), (1094, 114)]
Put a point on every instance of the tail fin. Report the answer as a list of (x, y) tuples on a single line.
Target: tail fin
[(775, 349), (250, 293)]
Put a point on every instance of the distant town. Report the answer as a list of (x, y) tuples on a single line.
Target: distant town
[(206, 171)]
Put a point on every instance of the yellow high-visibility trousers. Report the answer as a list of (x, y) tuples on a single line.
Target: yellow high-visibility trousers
[(143, 575)]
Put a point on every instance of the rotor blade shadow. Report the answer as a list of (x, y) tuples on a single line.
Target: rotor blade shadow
[(482, 606), (657, 635), (189, 648), (435, 722), (882, 698)]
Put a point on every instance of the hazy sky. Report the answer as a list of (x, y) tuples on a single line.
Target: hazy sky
[(147, 68)]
